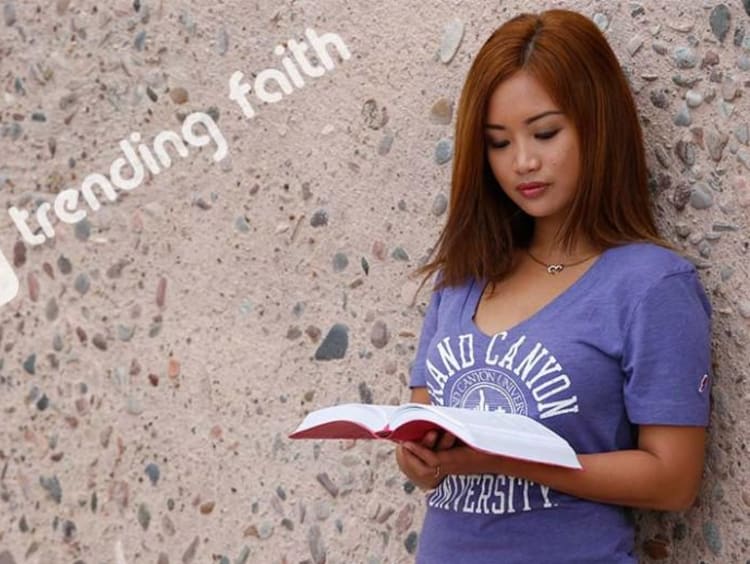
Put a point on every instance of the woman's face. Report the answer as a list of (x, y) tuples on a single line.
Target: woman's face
[(530, 141)]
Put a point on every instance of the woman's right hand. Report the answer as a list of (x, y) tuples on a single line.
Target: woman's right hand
[(416, 469), (420, 473)]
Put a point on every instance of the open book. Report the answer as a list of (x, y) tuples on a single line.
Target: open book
[(494, 432)]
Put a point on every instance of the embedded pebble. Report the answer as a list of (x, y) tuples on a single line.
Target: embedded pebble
[(719, 20), (441, 112), (178, 95), (125, 332), (28, 364), (322, 510), (242, 558), (222, 41), (144, 516), (365, 393), (64, 265), (334, 344), (340, 262), (82, 229), (326, 482), (725, 109), (700, 196), (265, 531), (439, 205), (411, 542), (659, 99), (319, 218), (140, 40), (662, 156), (742, 133), (9, 13), (53, 488), (656, 548), (715, 142), (134, 406), (400, 254), (660, 47), (682, 118), (712, 537), (682, 229), (189, 554), (601, 21), (384, 147), (375, 117), (379, 335), (443, 151), (241, 224), (693, 98), (744, 157), (19, 254), (405, 518), (152, 471), (99, 342), (316, 546), (161, 290), (685, 57), (453, 32), (729, 89), (634, 45)]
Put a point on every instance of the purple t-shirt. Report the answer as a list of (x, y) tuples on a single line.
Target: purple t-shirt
[(628, 343)]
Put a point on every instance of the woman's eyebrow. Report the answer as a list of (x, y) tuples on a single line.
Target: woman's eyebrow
[(528, 121)]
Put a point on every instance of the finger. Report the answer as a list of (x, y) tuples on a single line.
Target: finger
[(446, 441), (427, 456), (416, 466), (429, 439)]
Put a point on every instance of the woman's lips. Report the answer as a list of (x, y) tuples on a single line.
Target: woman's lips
[(533, 191)]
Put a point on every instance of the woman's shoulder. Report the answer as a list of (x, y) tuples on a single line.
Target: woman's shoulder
[(648, 262)]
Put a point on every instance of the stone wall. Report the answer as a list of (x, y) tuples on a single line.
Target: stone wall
[(160, 349)]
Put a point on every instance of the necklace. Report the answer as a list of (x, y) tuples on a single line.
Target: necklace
[(554, 268)]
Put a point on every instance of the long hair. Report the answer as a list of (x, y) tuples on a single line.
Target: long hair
[(570, 57)]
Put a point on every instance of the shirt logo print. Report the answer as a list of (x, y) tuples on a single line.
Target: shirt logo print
[(704, 383)]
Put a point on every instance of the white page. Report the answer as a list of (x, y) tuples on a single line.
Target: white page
[(373, 417), (495, 432)]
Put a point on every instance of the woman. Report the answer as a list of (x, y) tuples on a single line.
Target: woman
[(556, 298)]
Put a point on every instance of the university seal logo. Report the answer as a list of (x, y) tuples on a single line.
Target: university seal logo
[(486, 389)]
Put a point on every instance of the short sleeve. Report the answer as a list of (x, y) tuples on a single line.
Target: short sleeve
[(418, 376), (667, 354)]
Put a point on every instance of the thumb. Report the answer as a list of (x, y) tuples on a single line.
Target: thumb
[(430, 438)]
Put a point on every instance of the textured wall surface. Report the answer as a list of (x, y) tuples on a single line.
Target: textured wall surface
[(160, 349)]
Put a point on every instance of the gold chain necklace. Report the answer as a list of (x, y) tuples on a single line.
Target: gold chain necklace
[(554, 268)]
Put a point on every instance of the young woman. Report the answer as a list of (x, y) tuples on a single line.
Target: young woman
[(556, 298)]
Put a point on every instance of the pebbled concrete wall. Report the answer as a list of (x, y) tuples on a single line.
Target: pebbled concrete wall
[(160, 349)]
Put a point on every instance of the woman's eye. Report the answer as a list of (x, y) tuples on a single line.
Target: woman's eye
[(547, 134), (543, 136), (498, 145)]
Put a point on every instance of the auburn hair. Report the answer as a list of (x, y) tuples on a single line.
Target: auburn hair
[(568, 54)]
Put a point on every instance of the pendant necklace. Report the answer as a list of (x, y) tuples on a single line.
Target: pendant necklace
[(554, 268)]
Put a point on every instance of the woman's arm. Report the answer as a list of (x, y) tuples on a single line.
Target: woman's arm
[(664, 473)]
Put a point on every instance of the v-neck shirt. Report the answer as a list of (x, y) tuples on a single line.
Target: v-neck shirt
[(627, 343)]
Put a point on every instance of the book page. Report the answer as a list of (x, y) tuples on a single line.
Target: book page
[(495, 432), (372, 417)]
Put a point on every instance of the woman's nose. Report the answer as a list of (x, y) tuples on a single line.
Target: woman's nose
[(525, 160)]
